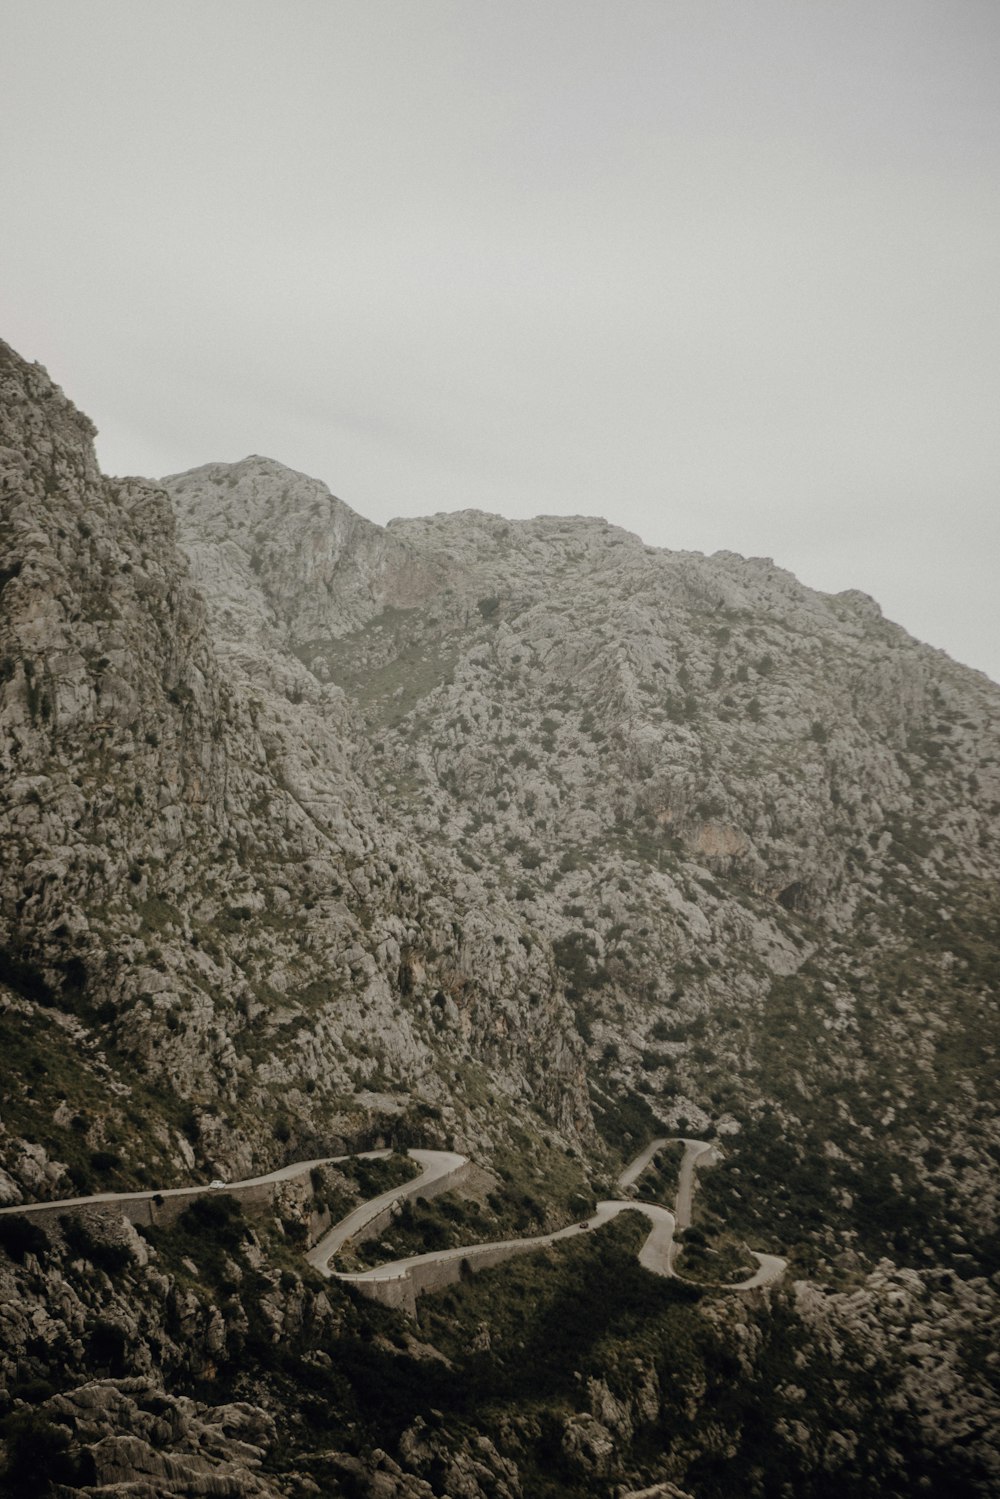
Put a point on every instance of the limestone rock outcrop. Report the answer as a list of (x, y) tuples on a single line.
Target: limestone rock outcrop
[(519, 837)]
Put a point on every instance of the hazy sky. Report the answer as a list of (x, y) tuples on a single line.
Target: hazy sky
[(724, 271)]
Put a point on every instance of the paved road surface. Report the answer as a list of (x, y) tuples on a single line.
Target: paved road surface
[(635, 1168), (436, 1163), (284, 1173), (696, 1153), (771, 1267)]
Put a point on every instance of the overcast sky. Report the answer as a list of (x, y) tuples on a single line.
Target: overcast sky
[(723, 271)]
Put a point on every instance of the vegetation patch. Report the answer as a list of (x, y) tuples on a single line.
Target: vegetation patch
[(659, 1182)]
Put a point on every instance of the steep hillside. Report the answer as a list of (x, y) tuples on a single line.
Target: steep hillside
[(521, 838), (202, 898), (754, 828)]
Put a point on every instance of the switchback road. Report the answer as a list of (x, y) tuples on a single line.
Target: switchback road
[(439, 1170), (657, 1253)]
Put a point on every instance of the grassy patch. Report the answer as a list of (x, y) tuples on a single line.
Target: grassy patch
[(382, 666), (541, 1185), (624, 1118), (419, 1226), (376, 1175), (710, 1254)]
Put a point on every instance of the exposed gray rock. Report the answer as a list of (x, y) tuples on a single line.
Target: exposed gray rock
[(521, 836)]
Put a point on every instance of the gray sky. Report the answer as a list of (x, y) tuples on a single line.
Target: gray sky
[(723, 272)]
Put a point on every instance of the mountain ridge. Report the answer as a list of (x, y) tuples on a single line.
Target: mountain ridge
[(519, 838)]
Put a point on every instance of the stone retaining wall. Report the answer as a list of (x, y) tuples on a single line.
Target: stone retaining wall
[(403, 1289), (151, 1208)]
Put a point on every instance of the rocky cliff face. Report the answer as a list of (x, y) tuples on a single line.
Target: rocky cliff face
[(521, 835), (197, 873)]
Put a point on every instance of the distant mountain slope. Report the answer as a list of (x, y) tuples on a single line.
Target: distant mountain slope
[(742, 819)]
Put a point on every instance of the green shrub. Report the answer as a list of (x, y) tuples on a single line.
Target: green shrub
[(85, 1244), (37, 1454), (32, 1391), (576, 955), (105, 1160), (107, 1347), (19, 1237), (219, 1217), (24, 977)]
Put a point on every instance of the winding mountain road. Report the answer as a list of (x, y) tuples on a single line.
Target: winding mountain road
[(657, 1253), (696, 1153), (635, 1168), (283, 1173), (653, 1254), (400, 1281), (436, 1164)]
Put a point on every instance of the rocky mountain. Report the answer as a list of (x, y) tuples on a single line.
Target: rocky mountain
[(521, 838)]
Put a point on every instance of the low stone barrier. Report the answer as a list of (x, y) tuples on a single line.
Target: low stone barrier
[(401, 1290), (156, 1208)]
